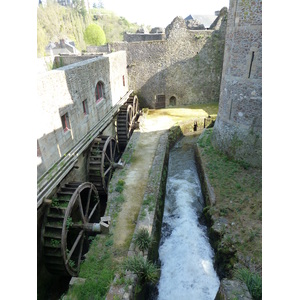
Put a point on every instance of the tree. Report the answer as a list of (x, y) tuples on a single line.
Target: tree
[(42, 40), (79, 5), (94, 35), (55, 22), (99, 4)]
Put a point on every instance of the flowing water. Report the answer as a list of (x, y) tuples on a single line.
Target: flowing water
[(185, 253)]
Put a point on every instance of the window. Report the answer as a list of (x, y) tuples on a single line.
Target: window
[(99, 91), (85, 107), (251, 62), (65, 122), (123, 77)]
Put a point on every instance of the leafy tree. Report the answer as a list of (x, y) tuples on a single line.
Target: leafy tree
[(55, 22), (79, 5), (113, 25), (94, 35), (42, 40)]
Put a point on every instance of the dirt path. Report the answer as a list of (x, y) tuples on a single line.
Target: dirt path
[(136, 182)]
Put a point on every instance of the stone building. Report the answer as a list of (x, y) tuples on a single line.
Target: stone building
[(238, 128), (205, 20), (73, 99)]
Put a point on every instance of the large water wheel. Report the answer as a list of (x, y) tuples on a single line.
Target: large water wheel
[(104, 152), (73, 216), (124, 125)]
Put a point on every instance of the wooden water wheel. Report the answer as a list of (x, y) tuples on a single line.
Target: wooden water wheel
[(124, 125), (73, 216), (104, 152), (134, 102)]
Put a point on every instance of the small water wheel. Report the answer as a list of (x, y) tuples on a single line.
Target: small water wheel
[(104, 152), (73, 216), (124, 125), (134, 102)]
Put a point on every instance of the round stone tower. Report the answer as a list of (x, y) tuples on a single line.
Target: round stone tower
[(238, 128)]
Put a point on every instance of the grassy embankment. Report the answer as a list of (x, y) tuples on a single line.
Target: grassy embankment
[(105, 258), (238, 191)]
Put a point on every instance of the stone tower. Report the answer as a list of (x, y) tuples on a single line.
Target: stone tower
[(238, 128)]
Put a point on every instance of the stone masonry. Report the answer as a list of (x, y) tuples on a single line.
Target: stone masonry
[(186, 67), (62, 91), (238, 128)]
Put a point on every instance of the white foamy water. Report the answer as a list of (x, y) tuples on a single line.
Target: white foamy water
[(186, 256)]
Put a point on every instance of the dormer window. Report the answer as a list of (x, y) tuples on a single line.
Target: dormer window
[(99, 92)]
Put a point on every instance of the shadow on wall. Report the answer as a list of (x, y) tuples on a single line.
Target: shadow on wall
[(194, 80), (77, 88), (82, 112)]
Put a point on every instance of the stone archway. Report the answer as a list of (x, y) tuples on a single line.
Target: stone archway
[(172, 101)]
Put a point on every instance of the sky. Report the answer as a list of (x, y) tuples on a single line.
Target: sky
[(160, 13)]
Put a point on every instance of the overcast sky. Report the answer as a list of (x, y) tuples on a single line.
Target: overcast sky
[(160, 13)]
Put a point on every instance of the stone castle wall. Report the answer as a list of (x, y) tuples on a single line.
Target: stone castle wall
[(142, 37), (238, 128), (187, 65)]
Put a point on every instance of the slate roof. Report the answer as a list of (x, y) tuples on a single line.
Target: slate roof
[(206, 20)]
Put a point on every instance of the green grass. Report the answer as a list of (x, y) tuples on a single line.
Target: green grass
[(238, 190), (120, 199), (99, 267), (104, 259), (120, 186), (253, 282)]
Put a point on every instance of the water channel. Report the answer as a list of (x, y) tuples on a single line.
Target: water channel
[(185, 253)]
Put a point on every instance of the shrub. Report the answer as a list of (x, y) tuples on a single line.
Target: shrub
[(142, 240), (253, 282), (94, 35), (120, 186), (144, 269)]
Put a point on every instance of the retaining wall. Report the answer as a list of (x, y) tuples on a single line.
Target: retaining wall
[(229, 288)]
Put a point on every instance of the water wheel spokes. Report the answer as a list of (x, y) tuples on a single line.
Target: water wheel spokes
[(69, 223), (83, 209), (134, 102), (103, 154)]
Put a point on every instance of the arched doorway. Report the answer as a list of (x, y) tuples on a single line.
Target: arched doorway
[(172, 101)]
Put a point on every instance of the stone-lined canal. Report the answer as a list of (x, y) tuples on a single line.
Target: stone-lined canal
[(185, 253)]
